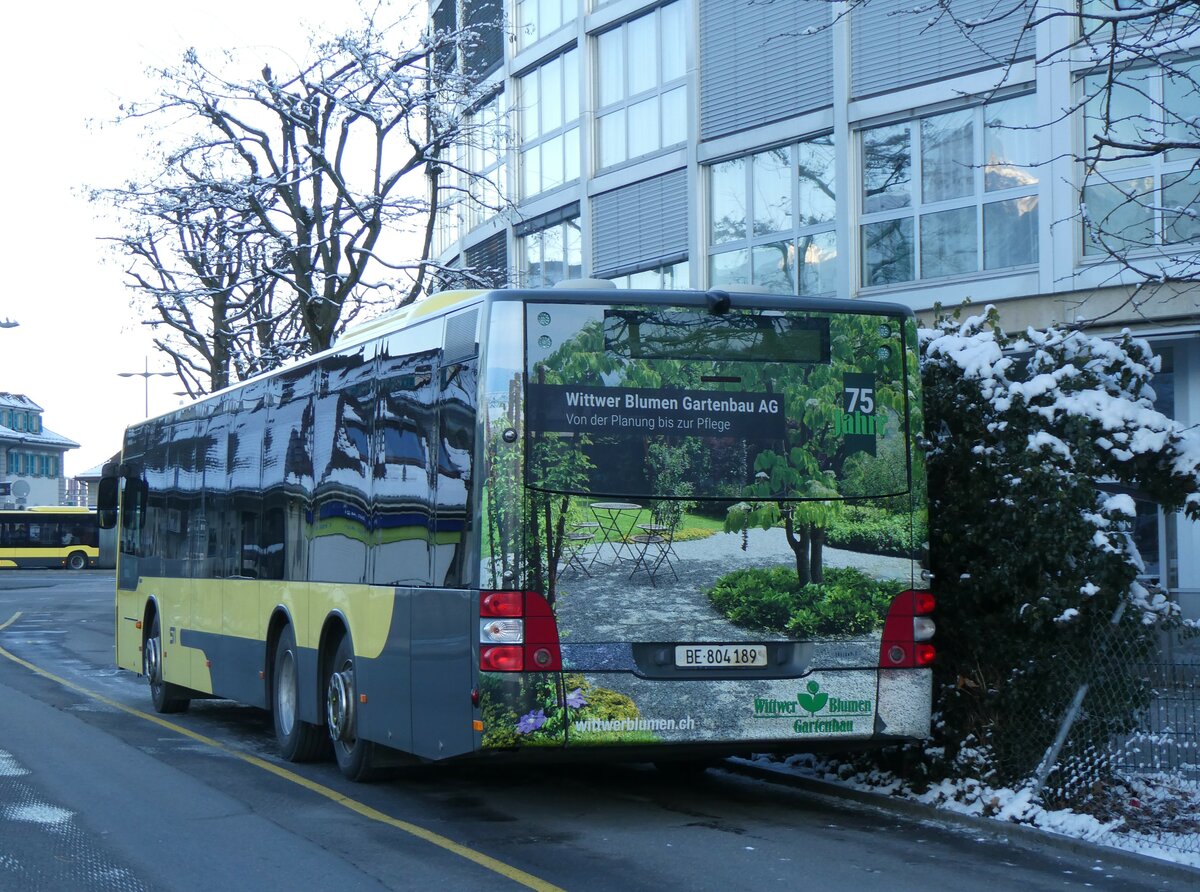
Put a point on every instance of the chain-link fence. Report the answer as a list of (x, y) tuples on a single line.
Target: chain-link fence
[(1125, 746)]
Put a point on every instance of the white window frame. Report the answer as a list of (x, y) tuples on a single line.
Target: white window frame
[(917, 208), (535, 19), (570, 237), (621, 108), (546, 129), (1120, 173), (668, 277), (799, 237)]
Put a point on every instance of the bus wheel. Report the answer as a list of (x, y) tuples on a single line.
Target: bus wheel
[(166, 696), (299, 741), (356, 758), (76, 560)]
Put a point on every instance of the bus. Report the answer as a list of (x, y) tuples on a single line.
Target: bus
[(49, 537), (522, 523)]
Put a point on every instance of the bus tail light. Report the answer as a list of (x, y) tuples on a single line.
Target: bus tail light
[(907, 630), (517, 633)]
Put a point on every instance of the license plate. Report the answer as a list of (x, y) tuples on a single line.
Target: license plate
[(720, 656)]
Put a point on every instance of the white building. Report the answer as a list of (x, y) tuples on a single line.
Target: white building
[(31, 457), (834, 148)]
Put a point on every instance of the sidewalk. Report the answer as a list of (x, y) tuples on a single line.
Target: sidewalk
[(1188, 876)]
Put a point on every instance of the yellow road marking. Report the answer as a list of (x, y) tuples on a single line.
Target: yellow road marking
[(442, 842), (12, 619)]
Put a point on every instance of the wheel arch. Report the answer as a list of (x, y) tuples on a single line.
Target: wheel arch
[(335, 628), (149, 610), (280, 619)]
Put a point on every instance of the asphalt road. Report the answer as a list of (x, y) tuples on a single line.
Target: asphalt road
[(99, 793)]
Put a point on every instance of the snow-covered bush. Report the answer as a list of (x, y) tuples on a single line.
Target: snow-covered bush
[(1035, 571)]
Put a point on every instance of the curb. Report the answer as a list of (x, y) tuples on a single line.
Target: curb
[(996, 829)]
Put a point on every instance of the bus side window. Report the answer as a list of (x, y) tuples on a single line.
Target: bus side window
[(133, 514), (455, 458)]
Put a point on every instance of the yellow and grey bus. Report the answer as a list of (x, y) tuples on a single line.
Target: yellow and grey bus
[(49, 537), (520, 523)]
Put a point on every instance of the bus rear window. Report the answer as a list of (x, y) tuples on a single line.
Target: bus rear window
[(737, 337), (675, 402)]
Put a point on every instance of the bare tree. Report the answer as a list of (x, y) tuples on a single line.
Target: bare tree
[(202, 269), (286, 203)]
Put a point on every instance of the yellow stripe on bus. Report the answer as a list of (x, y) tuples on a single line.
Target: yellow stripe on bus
[(486, 861)]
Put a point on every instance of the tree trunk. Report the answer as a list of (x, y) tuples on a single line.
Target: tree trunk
[(816, 568), (800, 544)]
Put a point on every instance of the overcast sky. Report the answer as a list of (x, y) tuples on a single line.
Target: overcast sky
[(66, 67)]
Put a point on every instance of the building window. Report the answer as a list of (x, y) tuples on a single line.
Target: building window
[(660, 278), (14, 462), (772, 219), (487, 139), (538, 18), (472, 183), (950, 194), (641, 85), (551, 254), (20, 421), (549, 120), (1134, 199)]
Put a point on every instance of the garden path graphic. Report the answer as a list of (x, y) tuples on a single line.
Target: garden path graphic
[(610, 606)]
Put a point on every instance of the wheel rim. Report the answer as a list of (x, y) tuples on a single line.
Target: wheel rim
[(285, 692), (152, 660), (339, 704)]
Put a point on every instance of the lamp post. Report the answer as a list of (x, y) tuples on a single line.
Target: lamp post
[(146, 375)]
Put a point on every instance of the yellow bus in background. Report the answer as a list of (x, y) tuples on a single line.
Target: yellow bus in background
[(49, 537)]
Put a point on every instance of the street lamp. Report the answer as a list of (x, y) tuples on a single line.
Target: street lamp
[(146, 375)]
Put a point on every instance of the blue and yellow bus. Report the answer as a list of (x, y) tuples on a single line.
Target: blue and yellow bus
[(49, 537), (523, 522)]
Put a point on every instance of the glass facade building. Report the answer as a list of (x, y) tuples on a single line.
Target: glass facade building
[(850, 150)]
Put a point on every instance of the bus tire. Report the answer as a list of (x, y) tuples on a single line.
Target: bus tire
[(166, 697), (299, 741), (76, 560), (356, 758)]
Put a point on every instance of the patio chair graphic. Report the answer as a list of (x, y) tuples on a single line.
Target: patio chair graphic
[(655, 544)]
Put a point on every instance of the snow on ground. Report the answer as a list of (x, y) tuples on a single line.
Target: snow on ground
[(1146, 816)]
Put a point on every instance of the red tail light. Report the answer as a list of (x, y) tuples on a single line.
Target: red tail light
[(504, 658), (906, 632), (502, 604), (517, 633)]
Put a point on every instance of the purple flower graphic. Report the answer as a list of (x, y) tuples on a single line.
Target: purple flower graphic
[(575, 699), (531, 721)]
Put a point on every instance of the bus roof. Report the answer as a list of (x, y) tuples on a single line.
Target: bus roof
[(443, 302)]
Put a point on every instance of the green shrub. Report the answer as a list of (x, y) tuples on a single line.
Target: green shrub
[(848, 602), (873, 530)]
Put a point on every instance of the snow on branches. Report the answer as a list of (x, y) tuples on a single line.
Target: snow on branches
[(1040, 446)]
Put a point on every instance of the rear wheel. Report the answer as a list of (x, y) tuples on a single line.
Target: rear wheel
[(355, 757), (77, 560), (299, 741), (167, 698)]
